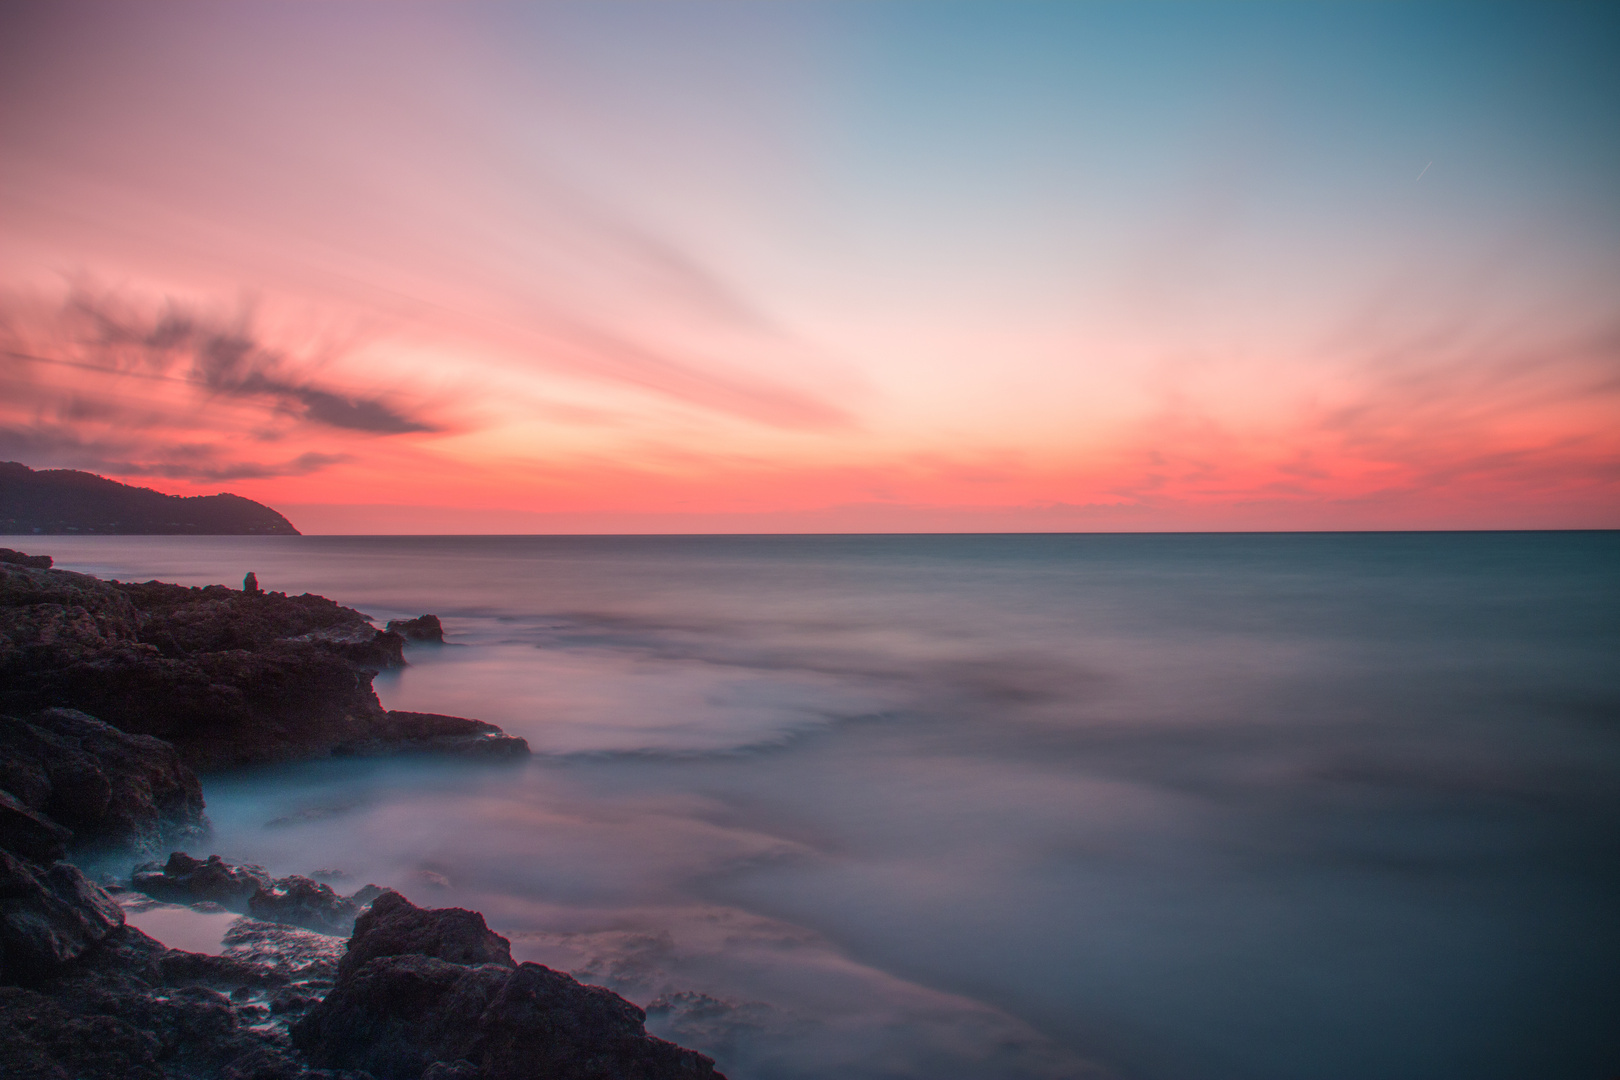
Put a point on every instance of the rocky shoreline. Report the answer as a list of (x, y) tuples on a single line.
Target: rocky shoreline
[(112, 695)]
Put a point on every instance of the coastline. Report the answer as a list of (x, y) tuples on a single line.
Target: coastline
[(206, 678)]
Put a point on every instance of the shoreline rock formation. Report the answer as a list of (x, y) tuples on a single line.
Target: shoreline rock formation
[(228, 677), (188, 678)]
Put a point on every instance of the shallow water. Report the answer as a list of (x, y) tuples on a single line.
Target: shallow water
[(1166, 807)]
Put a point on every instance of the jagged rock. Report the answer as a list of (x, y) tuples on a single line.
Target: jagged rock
[(250, 584), (31, 835), (393, 926), (17, 558), (399, 1016), (303, 902), (119, 1005), (369, 648), (307, 958), (129, 1008), (228, 677), (294, 900), (44, 1041), (188, 880), (435, 992), (48, 918), (103, 784), (421, 628), (176, 966)]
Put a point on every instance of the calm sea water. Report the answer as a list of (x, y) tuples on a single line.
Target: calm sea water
[(1258, 807)]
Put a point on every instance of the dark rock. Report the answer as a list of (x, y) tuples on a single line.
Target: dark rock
[(48, 918), (31, 835), (290, 1001), (399, 1016), (303, 902), (392, 1017), (176, 966), (228, 677), (406, 732), (421, 628), (364, 646), (104, 785), (435, 993), (393, 926), (188, 881), (250, 584), (290, 954), (42, 1040), (17, 558), (124, 1007), (295, 900)]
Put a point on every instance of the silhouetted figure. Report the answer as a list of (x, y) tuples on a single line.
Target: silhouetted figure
[(250, 584)]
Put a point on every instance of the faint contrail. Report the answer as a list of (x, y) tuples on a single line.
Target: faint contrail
[(1425, 169)]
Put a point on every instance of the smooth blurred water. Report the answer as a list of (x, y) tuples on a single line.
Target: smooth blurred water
[(1173, 807)]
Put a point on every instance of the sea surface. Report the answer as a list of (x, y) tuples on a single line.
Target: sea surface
[(1162, 807)]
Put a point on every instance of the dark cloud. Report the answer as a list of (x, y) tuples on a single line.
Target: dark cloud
[(225, 358)]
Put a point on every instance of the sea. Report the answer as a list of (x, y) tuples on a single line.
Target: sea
[(998, 807)]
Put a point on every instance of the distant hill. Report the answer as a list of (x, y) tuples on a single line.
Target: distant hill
[(58, 501)]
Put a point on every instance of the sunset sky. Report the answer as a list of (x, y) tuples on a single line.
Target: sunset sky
[(670, 266)]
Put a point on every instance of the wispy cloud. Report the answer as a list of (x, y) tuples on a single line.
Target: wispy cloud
[(220, 357), (102, 383)]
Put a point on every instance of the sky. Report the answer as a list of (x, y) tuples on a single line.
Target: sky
[(807, 267)]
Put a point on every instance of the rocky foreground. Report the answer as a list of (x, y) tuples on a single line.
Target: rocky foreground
[(118, 692)]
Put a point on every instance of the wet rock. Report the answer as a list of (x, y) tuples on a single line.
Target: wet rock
[(412, 732), (544, 1023), (393, 1017), (49, 917), (303, 902), (393, 926), (399, 1016), (187, 880), (291, 954), (294, 900), (29, 834), (435, 992), (103, 784), (176, 966), (290, 1001), (228, 677), (103, 1001), (421, 628)]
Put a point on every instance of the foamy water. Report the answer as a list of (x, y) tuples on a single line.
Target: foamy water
[(1173, 807)]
